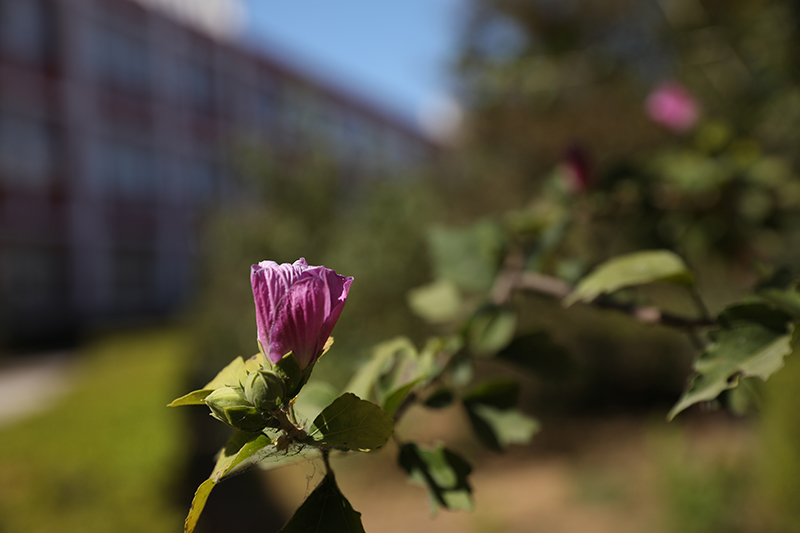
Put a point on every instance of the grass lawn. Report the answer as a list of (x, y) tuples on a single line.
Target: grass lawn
[(107, 456)]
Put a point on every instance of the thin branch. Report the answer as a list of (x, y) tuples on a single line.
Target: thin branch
[(698, 301), (556, 288)]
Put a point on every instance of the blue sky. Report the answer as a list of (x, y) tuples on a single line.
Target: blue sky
[(394, 53)]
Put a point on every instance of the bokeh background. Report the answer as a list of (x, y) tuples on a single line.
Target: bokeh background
[(151, 151)]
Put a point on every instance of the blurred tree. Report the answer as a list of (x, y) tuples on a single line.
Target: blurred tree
[(542, 79)]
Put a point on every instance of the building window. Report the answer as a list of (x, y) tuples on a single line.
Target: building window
[(24, 29), (122, 169), (199, 180), (268, 104), (198, 84), (121, 60), (133, 172), (25, 153)]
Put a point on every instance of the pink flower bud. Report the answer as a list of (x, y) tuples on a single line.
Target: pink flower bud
[(297, 307), (673, 107)]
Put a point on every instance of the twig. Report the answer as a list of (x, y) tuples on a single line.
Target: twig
[(556, 288)]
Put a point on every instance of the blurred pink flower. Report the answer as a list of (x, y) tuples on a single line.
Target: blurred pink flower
[(297, 306), (673, 107), (576, 168)]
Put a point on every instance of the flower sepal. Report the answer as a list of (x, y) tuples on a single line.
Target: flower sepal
[(294, 377), (265, 390), (229, 406)]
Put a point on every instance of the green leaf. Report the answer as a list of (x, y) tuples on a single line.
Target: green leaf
[(233, 375), (243, 451), (397, 397), (326, 510), (193, 398), (537, 353), (314, 397), (748, 350), (382, 360), (754, 312), (468, 257), (499, 428), (630, 270), (438, 302), (351, 423), (787, 301), (443, 472), (198, 503), (261, 452), (239, 447), (491, 329), (395, 369)]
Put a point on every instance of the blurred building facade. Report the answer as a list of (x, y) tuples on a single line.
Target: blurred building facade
[(116, 128)]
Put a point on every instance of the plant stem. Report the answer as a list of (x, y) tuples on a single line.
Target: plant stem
[(326, 460)]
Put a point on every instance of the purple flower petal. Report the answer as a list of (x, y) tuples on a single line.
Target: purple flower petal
[(297, 307)]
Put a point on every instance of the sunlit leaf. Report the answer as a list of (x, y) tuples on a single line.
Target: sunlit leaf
[(245, 450), (326, 510), (395, 369), (351, 423), (233, 375), (443, 472), (314, 397), (382, 360), (438, 302), (630, 270), (198, 504), (749, 350), (193, 398), (394, 400), (240, 446)]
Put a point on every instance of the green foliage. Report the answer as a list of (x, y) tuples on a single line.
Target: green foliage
[(722, 195), (326, 510), (490, 408), (443, 472), (630, 270), (351, 423), (395, 369), (748, 345), (242, 451)]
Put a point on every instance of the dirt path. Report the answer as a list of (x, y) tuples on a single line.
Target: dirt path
[(588, 476)]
